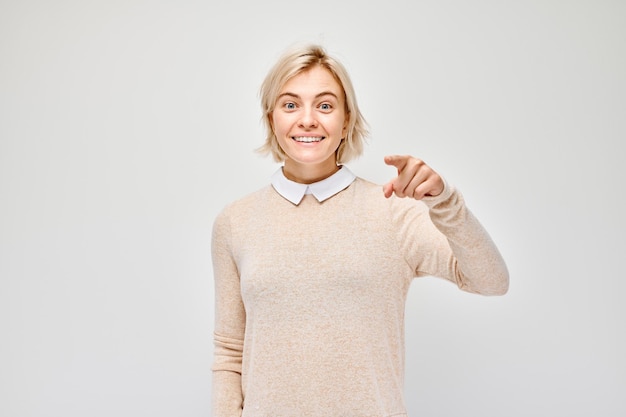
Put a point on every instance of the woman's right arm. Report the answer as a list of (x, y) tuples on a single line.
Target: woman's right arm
[(230, 319)]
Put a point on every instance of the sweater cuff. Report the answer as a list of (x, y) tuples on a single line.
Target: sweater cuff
[(448, 191)]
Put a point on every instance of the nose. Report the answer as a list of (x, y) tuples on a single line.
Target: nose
[(308, 119)]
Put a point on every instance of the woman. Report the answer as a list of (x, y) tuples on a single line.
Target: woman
[(312, 272)]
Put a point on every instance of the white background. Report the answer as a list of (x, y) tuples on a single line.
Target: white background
[(126, 125)]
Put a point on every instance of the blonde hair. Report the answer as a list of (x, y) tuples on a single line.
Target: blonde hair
[(296, 61)]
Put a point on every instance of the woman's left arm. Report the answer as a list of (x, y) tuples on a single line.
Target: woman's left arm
[(466, 253)]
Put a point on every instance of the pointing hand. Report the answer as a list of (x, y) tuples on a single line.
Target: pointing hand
[(415, 179)]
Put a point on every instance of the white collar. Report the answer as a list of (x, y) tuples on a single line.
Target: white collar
[(321, 190)]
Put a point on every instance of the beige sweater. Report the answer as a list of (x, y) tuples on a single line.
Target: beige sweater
[(309, 299)]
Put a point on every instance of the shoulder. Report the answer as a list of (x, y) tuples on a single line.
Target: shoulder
[(367, 184), (244, 204), (373, 192), (369, 189), (237, 215)]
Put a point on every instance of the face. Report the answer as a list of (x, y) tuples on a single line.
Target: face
[(309, 121)]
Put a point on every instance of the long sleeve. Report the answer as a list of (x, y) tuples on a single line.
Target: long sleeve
[(325, 286), (453, 245), (227, 396)]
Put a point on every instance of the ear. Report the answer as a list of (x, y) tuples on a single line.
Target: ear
[(346, 122)]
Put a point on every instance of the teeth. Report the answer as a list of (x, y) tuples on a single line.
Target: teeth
[(308, 139)]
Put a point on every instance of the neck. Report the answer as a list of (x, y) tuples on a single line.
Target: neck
[(308, 174)]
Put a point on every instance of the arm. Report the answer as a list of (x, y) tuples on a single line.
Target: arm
[(227, 397), (451, 243), (472, 260)]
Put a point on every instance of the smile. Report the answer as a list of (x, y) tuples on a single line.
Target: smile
[(308, 139)]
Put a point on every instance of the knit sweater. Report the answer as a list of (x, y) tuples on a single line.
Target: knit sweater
[(310, 298)]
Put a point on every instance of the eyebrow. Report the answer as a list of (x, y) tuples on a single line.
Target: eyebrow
[(324, 93)]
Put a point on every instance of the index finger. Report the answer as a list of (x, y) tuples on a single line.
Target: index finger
[(398, 161)]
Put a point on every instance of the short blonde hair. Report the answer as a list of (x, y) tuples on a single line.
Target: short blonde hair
[(296, 61)]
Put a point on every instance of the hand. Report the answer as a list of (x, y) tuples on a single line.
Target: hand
[(415, 179)]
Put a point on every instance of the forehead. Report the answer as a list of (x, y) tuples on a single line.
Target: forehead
[(314, 80)]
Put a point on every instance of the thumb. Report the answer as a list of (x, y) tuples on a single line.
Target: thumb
[(388, 189)]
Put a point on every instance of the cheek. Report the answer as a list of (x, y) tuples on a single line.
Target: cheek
[(343, 125), (280, 124)]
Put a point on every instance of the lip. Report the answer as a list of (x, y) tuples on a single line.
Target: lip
[(308, 138)]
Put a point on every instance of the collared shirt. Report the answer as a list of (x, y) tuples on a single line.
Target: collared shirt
[(321, 190)]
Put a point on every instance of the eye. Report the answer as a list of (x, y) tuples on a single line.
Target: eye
[(326, 106), (289, 105)]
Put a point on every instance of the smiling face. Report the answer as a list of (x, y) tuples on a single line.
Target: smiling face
[(309, 121)]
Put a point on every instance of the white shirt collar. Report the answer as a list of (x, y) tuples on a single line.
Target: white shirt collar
[(321, 190)]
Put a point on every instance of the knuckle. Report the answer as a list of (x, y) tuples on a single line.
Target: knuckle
[(415, 164)]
